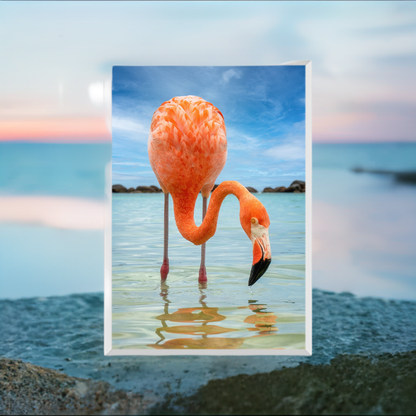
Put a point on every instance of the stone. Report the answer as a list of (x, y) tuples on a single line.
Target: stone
[(145, 189), (252, 190), (280, 189), (301, 183), (119, 189)]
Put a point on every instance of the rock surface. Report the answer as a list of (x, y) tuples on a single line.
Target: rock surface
[(350, 384), (29, 389)]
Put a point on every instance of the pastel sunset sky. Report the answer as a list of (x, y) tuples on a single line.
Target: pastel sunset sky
[(57, 57)]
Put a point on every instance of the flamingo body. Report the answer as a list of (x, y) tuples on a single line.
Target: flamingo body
[(187, 146), (187, 151)]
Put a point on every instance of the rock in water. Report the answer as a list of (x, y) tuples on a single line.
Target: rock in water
[(119, 189), (300, 183), (145, 189), (280, 189), (155, 188), (296, 186), (252, 190)]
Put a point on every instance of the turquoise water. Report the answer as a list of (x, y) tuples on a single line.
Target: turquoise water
[(226, 313), (363, 224), (76, 170)]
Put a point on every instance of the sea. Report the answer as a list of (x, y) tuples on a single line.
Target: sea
[(223, 314), (51, 277)]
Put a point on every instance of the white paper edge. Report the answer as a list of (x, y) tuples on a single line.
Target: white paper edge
[(109, 351)]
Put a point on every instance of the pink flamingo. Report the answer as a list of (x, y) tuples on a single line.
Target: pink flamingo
[(187, 151)]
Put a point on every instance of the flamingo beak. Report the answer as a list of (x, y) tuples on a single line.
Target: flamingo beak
[(262, 257)]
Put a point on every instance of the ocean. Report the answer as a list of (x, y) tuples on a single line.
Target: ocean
[(363, 267), (224, 314), (363, 224)]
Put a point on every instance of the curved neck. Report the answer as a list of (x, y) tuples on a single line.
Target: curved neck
[(184, 207)]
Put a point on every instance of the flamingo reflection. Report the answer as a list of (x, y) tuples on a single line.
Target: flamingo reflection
[(202, 331)]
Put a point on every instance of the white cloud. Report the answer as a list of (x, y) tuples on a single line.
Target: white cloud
[(299, 173), (126, 124), (229, 74), (241, 141), (291, 149)]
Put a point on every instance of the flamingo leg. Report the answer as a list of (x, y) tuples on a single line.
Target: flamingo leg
[(202, 271), (164, 270)]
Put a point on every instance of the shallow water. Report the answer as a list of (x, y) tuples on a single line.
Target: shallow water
[(224, 314)]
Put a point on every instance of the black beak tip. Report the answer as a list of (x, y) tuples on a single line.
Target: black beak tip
[(258, 270)]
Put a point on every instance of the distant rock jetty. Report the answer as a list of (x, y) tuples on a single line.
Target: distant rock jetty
[(295, 187), (120, 189), (402, 177)]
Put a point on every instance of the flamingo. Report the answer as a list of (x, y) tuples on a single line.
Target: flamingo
[(187, 150)]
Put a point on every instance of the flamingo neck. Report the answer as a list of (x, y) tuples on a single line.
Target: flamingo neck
[(184, 206)]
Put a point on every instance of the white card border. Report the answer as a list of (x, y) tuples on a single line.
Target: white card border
[(307, 351)]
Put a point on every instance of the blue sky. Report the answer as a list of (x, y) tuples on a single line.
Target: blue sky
[(263, 108)]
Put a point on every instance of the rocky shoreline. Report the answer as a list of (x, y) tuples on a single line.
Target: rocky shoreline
[(295, 187), (27, 389), (350, 384)]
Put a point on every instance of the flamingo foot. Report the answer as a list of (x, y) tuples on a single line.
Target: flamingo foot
[(202, 275), (164, 270)]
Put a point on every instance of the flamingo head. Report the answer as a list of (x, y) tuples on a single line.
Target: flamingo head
[(255, 222)]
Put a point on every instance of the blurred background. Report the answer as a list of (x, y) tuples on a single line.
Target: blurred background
[(55, 127)]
